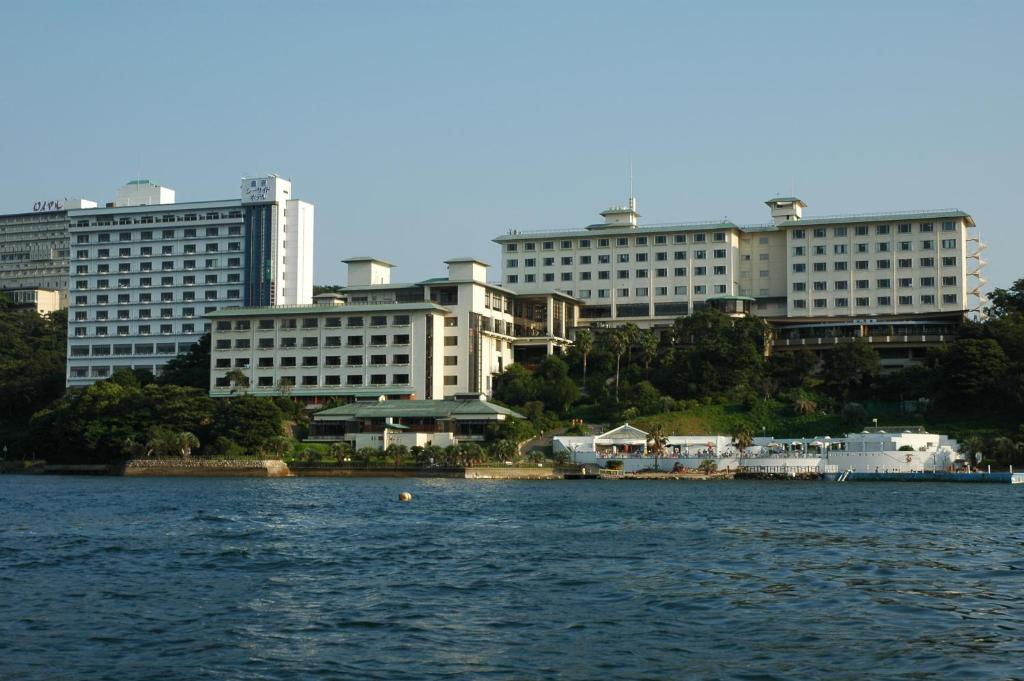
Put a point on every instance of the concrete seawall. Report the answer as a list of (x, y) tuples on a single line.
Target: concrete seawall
[(265, 468)]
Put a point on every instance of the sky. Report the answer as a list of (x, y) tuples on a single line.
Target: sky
[(422, 130)]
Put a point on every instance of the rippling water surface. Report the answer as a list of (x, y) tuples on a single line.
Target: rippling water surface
[(116, 578)]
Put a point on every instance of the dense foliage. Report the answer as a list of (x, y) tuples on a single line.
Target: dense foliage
[(970, 385), (32, 360), (121, 417)]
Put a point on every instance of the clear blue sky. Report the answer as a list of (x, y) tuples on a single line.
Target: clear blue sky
[(421, 130)]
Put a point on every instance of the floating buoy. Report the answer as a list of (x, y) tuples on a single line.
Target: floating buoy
[(405, 496)]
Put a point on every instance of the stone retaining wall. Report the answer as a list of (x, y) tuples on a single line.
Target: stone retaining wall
[(265, 468)]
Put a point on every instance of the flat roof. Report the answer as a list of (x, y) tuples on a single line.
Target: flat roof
[(158, 207), (415, 409), (589, 231)]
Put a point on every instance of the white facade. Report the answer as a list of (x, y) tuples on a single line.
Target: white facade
[(143, 276), (143, 193), (820, 269), (427, 340)]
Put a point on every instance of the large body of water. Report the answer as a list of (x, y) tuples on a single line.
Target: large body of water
[(138, 578)]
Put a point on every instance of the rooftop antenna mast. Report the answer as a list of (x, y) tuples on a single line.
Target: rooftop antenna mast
[(632, 201)]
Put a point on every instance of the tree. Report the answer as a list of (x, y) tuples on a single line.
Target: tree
[(631, 334), (1007, 302), (554, 387), (190, 369), (238, 379), (278, 446), (648, 342), (656, 442), (584, 345), (397, 453), (849, 369), (618, 343), (742, 437), (186, 442), (971, 372)]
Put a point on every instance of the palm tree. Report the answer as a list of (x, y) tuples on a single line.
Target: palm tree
[(632, 334), (656, 442), (397, 453), (186, 441), (648, 342), (618, 343), (742, 438), (238, 379), (585, 345)]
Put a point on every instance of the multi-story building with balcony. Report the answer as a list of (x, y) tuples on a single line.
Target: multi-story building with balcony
[(144, 270), (34, 254), (425, 340), (905, 276)]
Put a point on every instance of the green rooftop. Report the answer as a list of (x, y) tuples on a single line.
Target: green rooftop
[(437, 409), (282, 310)]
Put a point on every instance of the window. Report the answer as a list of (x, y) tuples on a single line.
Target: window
[(884, 300), (949, 243), (949, 298), (799, 304), (882, 229), (700, 255), (451, 341), (820, 266), (799, 286), (719, 269), (642, 274), (926, 227), (927, 262), (839, 266), (511, 248), (799, 267), (906, 300), (549, 262), (927, 282), (949, 262), (949, 281), (927, 245), (548, 245), (451, 361), (883, 264), (841, 285), (641, 292), (928, 299), (883, 283), (862, 302), (700, 271), (400, 339), (641, 257), (948, 226)]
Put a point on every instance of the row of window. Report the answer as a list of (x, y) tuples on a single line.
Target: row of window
[(880, 247), (124, 298), (289, 381), (606, 259), (643, 291), (141, 313), (147, 235), (882, 264), (717, 270), (129, 349), (314, 341), (147, 251), (312, 361), (186, 280), (314, 322), (142, 299), (104, 371), (903, 282), (880, 301), (622, 241), (881, 230), (140, 330)]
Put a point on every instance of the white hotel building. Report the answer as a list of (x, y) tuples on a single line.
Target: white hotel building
[(425, 340), (910, 278), (144, 270)]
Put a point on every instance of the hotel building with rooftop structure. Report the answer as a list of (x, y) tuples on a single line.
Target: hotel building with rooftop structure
[(144, 270), (34, 254), (904, 280), (378, 339)]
